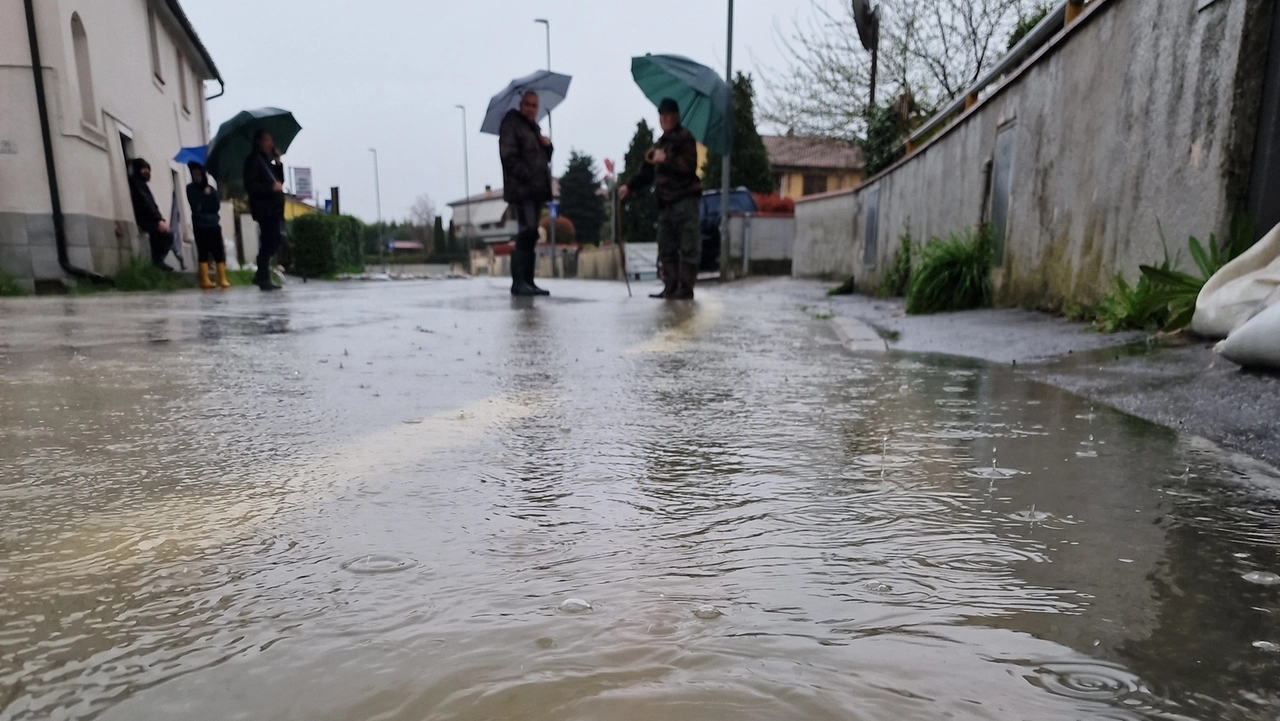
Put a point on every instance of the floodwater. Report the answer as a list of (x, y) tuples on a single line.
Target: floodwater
[(431, 501)]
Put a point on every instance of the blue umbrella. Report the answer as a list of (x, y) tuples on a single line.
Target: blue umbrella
[(196, 154), (550, 87)]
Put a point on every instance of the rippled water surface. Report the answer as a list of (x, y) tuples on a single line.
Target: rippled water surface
[(428, 501)]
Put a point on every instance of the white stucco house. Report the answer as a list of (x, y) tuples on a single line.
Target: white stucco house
[(120, 79)]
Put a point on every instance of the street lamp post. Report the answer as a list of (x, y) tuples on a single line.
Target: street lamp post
[(724, 163), (377, 192), (551, 221), (466, 179)]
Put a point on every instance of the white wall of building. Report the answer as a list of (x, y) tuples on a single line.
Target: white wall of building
[(89, 148)]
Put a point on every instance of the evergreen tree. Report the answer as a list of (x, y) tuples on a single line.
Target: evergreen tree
[(749, 164), (438, 239), (451, 241), (579, 201), (640, 210)]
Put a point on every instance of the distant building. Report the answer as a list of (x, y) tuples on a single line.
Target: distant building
[(808, 165), (122, 79), (486, 216)]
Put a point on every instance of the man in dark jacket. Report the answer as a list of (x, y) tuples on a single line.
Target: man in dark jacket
[(264, 183), (526, 181), (673, 169), (147, 213), (205, 206)]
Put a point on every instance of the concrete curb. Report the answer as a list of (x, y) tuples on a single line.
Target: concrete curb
[(858, 336)]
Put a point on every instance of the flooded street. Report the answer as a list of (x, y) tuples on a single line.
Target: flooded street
[(433, 501)]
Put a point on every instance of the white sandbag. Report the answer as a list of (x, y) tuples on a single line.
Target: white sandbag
[(1256, 344), (1235, 293)]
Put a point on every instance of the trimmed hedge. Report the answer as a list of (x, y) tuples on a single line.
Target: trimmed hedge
[(322, 245)]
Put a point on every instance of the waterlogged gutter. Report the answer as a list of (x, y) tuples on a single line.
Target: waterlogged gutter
[(1093, 9)]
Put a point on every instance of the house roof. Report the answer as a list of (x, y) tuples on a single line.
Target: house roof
[(190, 32), (796, 151), (496, 193)]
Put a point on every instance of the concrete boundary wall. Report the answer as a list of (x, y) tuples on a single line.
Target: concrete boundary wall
[(1139, 115)]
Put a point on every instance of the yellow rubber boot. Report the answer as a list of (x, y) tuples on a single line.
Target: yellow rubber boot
[(205, 283), (222, 276)]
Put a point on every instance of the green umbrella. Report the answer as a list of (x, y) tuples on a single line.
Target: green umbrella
[(703, 96), (234, 143)]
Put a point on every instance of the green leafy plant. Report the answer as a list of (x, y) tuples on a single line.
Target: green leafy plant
[(9, 286), (140, 275), (954, 274), (1132, 307), (1028, 22), (897, 277), (1179, 290)]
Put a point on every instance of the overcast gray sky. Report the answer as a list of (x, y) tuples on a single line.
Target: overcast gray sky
[(388, 73)]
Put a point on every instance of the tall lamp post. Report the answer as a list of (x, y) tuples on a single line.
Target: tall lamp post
[(377, 193), (724, 163), (551, 221), (466, 180)]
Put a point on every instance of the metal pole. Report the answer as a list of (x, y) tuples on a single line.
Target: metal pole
[(466, 179), (551, 229), (377, 192), (724, 164)]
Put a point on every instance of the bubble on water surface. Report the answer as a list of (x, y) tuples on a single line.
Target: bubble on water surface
[(375, 563), (1267, 646), (707, 611), (574, 605), (1262, 578), (546, 642)]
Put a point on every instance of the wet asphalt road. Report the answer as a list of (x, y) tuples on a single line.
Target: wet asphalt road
[(433, 501)]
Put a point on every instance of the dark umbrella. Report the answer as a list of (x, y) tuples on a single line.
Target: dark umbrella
[(234, 143), (703, 96), (550, 87)]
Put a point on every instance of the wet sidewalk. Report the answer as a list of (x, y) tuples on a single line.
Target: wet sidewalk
[(1177, 382)]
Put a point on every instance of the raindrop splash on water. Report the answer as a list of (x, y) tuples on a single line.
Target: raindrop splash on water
[(376, 563)]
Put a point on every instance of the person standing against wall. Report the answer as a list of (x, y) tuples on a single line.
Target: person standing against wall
[(147, 213), (205, 206), (526, 185), (264, 183), (673, 169)]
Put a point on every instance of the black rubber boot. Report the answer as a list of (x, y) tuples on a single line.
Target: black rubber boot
[(670, 280), (262, 278), (688, 279), (518, 262), (531, 267)]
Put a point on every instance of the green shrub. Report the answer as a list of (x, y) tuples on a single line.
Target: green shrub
[(321, 245), (350, 243), (314, 245), (952, 275), (9, 286), (897, 277), (1132, 307)]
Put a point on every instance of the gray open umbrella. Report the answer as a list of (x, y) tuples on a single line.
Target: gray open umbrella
[(550, 87)]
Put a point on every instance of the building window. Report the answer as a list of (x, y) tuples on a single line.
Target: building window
[(80, 41), (814, 183), (154, 35), (182, 80)]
